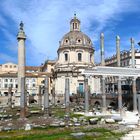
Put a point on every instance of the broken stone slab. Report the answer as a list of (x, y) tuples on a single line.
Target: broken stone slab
[(109, 120), (102, 121), (62, 124), (9, 124), (35, 112), (7, 128), (55, 125), (70, 124), (28, 127), (77, 124), (116, 118), (93, 121), (3, 116), (78, 135), (10, 116), (75, 120)]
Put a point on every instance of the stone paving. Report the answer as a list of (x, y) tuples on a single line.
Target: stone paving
[(133, 135)]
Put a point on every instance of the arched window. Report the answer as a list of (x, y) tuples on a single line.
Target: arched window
[(79, 41), (79, 57), (66, 57), (75, 25), (66, 41)]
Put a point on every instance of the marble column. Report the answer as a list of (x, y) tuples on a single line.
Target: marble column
[(40, 96), (46, 95), (132, 53), (22, 98), (10, 96), (134, 94), (118, 50), (67, 84), (113, 88), (102, 49), (86, 90), (103, 95), (138, 103), (21, 37), (119, 95)]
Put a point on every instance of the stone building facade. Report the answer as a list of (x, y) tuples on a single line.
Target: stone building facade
[(9, 78), (125, 61)]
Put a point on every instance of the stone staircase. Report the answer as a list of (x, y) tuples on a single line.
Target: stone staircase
[(133, 135)]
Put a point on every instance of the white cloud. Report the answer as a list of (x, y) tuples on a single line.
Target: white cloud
[(7, 58), (47, 21)]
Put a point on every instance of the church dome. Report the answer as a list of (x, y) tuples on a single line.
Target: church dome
[(75, 38)]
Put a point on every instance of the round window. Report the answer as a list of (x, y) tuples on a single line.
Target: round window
[(66, 41)]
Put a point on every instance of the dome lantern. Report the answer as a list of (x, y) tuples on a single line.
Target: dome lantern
[(75, 24)]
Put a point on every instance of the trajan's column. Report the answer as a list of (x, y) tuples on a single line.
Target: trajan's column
[(21, 69)]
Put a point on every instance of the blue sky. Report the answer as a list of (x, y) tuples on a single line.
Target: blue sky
[(46, 21)]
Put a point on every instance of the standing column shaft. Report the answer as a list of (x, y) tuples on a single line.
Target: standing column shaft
[(119, 95), (86, 94), (46, 95), (22, 99), (103, 95), (53, 94), (134, 95), (21, 68), (102, 49), (139, 103), (40, 97), (10, 97), (132, 53), (21, 62), (118, 50), (67, 93)]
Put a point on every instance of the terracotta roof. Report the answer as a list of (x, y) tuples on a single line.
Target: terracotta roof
[(32, 67), (40, 74)]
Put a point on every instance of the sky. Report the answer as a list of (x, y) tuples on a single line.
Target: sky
[(47, 21)]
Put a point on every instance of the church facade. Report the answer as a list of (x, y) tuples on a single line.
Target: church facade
[(75, 53)]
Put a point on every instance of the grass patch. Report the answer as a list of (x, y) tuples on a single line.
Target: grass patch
[(60, 134), (59, 112), (72, 115)]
